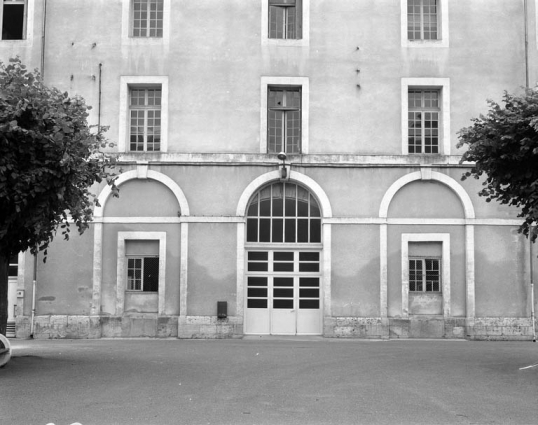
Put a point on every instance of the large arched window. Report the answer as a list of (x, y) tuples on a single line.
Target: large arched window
[(283, 213)]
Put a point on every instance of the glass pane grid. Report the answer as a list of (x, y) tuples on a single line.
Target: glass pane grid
[(148, 18), (425, 275), (423, 121)]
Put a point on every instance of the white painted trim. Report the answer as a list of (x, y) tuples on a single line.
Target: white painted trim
[(417, 175), (295, 176), (444, 238), (303, 82), (125, 82), (383, 271), (97, 269), (121, 269), (439, 83), (442, 42), (266, 41), (240, 283), (470, 272), (154, 175), (183, 269), (144, 42), (327, 270)]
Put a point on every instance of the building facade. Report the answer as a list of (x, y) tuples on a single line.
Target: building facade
[(288, 167)]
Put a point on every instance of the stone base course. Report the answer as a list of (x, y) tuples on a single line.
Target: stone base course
[(210, 327)]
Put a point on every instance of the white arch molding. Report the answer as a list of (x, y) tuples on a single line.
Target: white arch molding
[(326, 210), (469, 213), (141, 172)]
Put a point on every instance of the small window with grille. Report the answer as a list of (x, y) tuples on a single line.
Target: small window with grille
[(425, 274), (147, 18), (422, 19), (143, 274), (285, 19), (145, 119), (423, 121)]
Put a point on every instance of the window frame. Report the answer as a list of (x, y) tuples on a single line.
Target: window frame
[(127, 26), (146, 109), (286, 110), (305, 36), (142, 259), (424, 274), (28, 24), (132, 27), (282, 82), (443, 86), (445, 276), (126, 84), (442, 27), (424, 110)]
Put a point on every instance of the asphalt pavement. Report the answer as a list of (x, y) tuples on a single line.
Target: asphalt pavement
[(269, 381)]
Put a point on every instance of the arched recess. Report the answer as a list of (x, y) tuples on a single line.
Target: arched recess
[(150, 174), (427, 175), (326, 211), (469, 213), (141, 172)]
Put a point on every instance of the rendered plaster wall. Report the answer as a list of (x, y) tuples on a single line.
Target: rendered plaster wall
[(212, 268), (215, 92), (64, 282), (502, 272), (355, 271)]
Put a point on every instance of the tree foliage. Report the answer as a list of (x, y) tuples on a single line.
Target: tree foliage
[(49, 158), (503, 145)]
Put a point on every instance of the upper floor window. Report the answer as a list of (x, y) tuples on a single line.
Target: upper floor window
[(147, 18), (284, 213), (423, 121), (422, 19), (284, 119), (285, 19), (145, 119), (13, 19)]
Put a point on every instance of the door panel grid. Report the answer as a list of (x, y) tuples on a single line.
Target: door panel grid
[(283, 292)]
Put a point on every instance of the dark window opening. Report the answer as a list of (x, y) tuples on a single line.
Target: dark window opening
[(13, 21)]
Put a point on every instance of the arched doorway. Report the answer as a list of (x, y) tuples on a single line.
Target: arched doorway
[(283, 289)]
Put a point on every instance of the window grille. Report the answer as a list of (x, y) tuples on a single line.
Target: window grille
[(422, 19), (143, 274), (284, 120), (285, 20), (145, 117), (423, 121), (425, 274), (283, 213), (147, 18)]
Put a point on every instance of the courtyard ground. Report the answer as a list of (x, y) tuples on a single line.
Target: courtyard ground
[(269, 381)]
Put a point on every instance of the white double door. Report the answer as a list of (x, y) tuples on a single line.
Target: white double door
[(283, 293)]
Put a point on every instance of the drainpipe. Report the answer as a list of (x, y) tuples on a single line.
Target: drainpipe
[(43, 31), (34, 284), (532, 289), (525, 12), (99, 104)]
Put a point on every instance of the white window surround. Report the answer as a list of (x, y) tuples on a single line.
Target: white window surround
[(443, 41), (121, 282), (304, 41), (443, 85), (29, 36), (126, 38), (302, 82), (444, 238), (125, 83)]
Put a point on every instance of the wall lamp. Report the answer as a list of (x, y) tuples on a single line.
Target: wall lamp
[(284, 169)]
